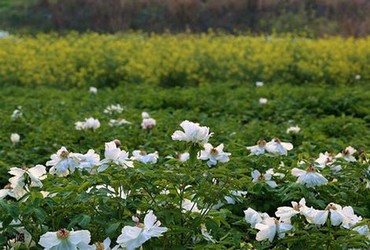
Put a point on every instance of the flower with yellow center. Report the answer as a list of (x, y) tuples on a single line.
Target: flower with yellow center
[(64, 239)]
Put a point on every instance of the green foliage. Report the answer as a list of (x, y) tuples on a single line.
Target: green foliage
[(330, 119)]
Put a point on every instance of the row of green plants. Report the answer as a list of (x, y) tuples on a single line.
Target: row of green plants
[(140, 188), (179, 60)]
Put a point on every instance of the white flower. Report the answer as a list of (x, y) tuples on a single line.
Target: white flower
[(89, 123), (119, 122), (183, 157), (276, 147), (324, 160), (263, 101), (66, 240), (206, 234), (62, 163), (17, 113), (79, 125), (92, 123), (253, 217), (309, 177), (15, 138), (145, 115), (257, 176), (32, 176), (192, 133), (134, 237), (87, 161), (115, 155), (362, 230), (6, 191), (258, 149), (285, 213), (347, 154), (213, 154), (350, 219), (234, 196), (148, 123), (93, 90), (338, 215), (113, 109), (357, 77), (23, 238), (259, 84), (270, 227), (293, 130), (143, 157), (188, 205), (327, 159)]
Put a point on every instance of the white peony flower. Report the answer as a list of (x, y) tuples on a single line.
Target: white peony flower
[(148, 122), (293, 130), (115, 155), (145, 115), (363, 230), (79, 125), (259, 84), (89, 123), (357, 77), (134, 237), (276, 147), (119, 122), (285, 213), (263, 101), (93, 90), (62, 163), (235, 194), (347, 154), (66, 240), (92, 123), (213, 155), (338, 215), (192, 133), (258, 149), (17, 113), (6, 191), (142, 156), (15, 138), (324, 160), (183, 157), (188, 205), (206, 235), (327, 160), (269, 227), (87, 161), (113, 109), (253, 217), (23, 179), (309, 177), (349, 217), (257, 176)]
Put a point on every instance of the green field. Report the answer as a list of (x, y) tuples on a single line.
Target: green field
[(228, 141), (330, 117)]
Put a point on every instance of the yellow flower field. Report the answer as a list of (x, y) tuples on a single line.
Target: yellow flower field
[(76, 60)]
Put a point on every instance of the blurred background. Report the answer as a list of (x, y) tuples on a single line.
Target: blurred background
[(314, 18)]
